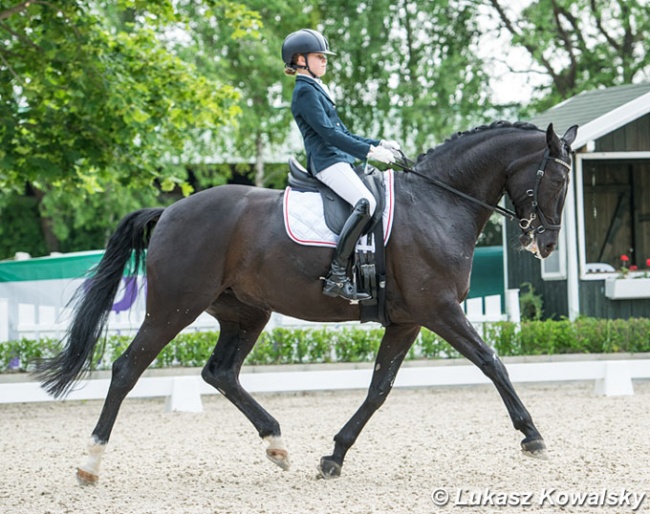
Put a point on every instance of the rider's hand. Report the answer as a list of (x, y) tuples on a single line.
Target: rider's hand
[(381, 154), (390, 145)]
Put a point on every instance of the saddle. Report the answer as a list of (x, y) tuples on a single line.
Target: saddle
[(369, 267), (337, 210)]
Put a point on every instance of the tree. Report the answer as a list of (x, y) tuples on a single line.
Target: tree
[(92, 106), (579, 44), (403, 70), (254, 69), (406, 68)]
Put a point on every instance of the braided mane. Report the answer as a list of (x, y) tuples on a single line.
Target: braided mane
[(482, 128)]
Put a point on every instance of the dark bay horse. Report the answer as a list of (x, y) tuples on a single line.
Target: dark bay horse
[(225, 251)]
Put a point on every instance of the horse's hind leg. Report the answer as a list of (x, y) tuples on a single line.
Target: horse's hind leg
[(454, 327), (394, 346), (241, 325), (127, 369)]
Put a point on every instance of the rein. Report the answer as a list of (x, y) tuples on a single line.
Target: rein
[(524, 224)]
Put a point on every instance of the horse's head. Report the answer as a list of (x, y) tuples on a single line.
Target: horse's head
[(538, 195)]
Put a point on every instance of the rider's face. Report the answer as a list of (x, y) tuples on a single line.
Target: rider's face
[(317, 63)]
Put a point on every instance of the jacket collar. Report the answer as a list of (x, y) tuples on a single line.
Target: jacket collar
[(317, 84)]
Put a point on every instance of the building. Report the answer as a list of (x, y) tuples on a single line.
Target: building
[(606, 225)]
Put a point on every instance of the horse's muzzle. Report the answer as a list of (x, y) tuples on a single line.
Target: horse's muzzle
[(540, 245)]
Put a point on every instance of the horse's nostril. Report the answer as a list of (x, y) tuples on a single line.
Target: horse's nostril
[(550, 247)]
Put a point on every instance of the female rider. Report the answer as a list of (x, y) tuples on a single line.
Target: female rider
[(331, 149)]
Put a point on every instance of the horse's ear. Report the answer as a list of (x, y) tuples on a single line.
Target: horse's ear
[(570, 135), (552, 141)]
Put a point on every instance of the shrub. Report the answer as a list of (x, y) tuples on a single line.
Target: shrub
[(287, 346)]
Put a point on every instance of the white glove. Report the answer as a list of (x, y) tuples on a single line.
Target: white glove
[(390, 145), (380, 154)]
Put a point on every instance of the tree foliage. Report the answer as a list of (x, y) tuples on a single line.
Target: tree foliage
[(253, 67), (85, 104), (93, 101), (406, 68), (580, 44), (104, 104)]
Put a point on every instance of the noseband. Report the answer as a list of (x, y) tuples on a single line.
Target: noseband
[(525, 224)]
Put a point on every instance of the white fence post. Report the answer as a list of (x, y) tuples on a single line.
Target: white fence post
[(617, 380), (513, 309), (4, 320), (185, 395)]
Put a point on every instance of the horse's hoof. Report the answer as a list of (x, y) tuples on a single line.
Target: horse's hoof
[(280, 457), (328, 469), (535, 448), (86, 478)]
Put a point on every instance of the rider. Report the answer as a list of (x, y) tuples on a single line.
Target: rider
[(331, 149)]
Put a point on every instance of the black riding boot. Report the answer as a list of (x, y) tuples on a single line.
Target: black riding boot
[(337, 282)]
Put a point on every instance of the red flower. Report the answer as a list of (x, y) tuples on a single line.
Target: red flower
[(625, 258), (647, 263), (634, 267)]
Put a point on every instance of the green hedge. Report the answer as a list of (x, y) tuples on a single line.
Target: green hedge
[(284, 346)]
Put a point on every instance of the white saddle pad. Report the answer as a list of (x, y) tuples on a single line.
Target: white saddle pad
[(305, 222)]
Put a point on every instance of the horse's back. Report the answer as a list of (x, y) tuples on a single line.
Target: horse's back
[(203, 232)]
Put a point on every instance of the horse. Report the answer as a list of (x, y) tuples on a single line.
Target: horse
[(225, 251)]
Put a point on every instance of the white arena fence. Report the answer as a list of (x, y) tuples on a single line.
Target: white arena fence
[(184, 390), (39, 321)]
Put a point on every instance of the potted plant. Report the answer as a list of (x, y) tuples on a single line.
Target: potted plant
[(630, 284)]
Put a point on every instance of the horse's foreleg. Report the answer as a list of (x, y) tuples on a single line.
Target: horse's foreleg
[(394, 346), (458, 331), (127, 369), (236, 339)]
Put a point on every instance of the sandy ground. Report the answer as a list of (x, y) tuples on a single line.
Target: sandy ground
[(456, 439)]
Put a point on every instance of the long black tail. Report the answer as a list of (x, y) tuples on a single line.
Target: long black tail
[(94, 302)]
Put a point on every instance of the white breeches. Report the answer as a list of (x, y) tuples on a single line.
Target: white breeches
[(342, 179)]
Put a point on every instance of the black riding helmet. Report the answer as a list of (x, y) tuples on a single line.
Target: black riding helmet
[(304, 41)]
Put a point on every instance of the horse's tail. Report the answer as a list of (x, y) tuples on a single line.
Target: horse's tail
[(94, 302)]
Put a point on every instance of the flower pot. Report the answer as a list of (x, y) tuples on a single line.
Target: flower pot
[(627, 288)]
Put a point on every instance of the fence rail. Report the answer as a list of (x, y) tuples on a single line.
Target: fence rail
[(183, 392), (32, 321)]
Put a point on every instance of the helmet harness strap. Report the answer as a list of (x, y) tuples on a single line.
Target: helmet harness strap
[(306, 67)]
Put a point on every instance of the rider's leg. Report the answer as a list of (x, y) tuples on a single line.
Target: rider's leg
[(342, 179)]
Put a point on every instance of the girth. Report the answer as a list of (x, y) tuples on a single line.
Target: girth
[(337, 210)]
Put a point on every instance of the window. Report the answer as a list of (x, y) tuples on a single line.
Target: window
[(554, 266), (614, 213)]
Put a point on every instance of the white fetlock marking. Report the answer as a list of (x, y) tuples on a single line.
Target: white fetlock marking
[(95, 453), (277, 451), (275, 442)]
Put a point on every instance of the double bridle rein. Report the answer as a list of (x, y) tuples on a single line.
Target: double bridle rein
[(524, 224)]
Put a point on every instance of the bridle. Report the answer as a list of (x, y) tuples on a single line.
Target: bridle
[(544, 225), (524, 224)]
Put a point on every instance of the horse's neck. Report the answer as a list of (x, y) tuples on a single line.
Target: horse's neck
[(474, 170), (471, 170)]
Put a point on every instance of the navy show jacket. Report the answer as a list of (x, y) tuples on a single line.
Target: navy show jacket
[(326, 139)]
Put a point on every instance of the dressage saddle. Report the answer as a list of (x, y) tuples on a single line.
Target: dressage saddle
[(337, 210), (369, 266)]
